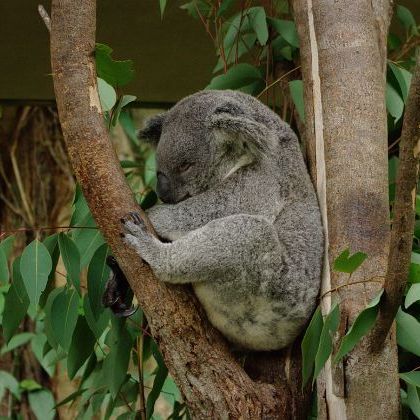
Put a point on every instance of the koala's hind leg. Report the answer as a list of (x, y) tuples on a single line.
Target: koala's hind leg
[(224, 248)]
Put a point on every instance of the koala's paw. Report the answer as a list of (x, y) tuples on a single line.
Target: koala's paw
[(136, 235), (134, 224)]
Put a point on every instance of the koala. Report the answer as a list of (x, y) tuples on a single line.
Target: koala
[(240, 219)]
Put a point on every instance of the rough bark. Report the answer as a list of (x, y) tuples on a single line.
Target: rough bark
[(404, 213), (343, 52), (211, 381)]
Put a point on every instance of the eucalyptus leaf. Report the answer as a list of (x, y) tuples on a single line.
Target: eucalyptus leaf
[(98, 274), (71, 259), (413, 295), (16, 303), (325, 348), (82, 346), (361, 326), (114, 72), (408, 332), (394, 102), (296, 92), (107, 95), (35, 267), (346, 263), (287, 29), (412, 377), (236, 77), (64, 314), (42, 404), (310, 344), (116, 362)]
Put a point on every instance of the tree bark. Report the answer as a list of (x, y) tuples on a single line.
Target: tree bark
[(343, 53), (404, 213), (211, 381)]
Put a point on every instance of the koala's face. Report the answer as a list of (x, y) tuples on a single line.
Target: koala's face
[(183, 159), (206, 138)]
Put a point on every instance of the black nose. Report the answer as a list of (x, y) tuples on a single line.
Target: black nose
[(163, 189)]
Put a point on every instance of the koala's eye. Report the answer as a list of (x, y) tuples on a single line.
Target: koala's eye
[(185, 167)]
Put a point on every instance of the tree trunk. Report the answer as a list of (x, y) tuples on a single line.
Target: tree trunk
[(343, 50)]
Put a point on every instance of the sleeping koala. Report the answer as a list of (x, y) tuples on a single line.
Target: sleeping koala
[(240, 218)]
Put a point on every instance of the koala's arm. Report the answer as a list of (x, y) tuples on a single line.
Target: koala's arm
[(223, 248), (172, 221)]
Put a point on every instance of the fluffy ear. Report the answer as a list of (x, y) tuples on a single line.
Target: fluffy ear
[(240, 133), (152, 130)]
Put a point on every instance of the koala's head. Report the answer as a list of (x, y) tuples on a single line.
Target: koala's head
[(206, 138)]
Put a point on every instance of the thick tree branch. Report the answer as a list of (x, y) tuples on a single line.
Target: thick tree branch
[(211, 381), (404, 213)]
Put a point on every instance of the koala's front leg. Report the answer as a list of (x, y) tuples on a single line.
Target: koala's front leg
[(224, 248)]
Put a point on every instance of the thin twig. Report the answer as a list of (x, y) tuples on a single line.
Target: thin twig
[(142, 408), (353, 283), (277, 81)]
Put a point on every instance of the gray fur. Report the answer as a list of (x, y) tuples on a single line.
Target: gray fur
[(245, 227)]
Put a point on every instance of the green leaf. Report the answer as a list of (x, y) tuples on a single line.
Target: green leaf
[(116, 363), (296, 92), (71, 397), (4, 268), (98, 274), (162, 5), (87, 240), (403, 77), (71, 259), (7, 245), (114, 72), (16, 303), (48, 328), (412, 377), (345, 263), (107, 95), (161, 374), (82, 346), (29, 385), (287, 29), (394, 103), (408, 332), (413, 295), (310, 344), (97, 326), (236, 77), (64, 314), (122, 102), (9, 382), (413, 400), (361, 326), (407, 19), (42, 404), (17, 341), (414, 273), (258, 23), (325, 343), (35, 266)]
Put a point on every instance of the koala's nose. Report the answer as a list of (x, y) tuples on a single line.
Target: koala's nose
[(163, 189)]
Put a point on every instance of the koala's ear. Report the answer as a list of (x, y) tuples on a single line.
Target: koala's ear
[(152, 130), (240, 132)]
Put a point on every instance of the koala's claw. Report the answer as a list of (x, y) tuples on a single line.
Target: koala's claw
[(133, 217), (122, 311)]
